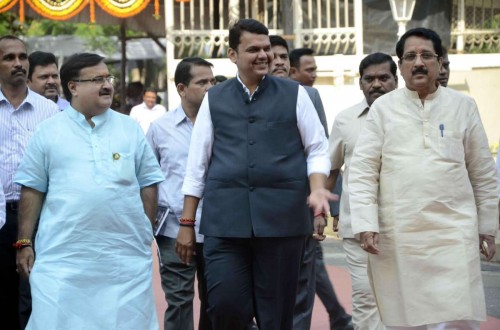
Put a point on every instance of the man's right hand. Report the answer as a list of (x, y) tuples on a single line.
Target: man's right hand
[(24, 261), (185, 244), (369, 242)]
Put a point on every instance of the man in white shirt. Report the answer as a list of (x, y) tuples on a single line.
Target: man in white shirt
[(146, 112), (258, 156), (169, 137), (377, 77)]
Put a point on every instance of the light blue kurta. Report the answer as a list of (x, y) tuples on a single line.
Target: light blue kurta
[(93, 267)]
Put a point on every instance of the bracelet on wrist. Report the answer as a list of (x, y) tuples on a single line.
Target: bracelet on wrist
[(319, 214), (22, 243), (187, 222), (186, 225)]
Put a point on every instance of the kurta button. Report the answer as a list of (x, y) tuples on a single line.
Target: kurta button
[(252, 188), (252, 165), (251, 142), (251, 119)]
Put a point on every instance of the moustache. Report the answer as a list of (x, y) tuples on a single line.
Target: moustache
[(105, 91), (18, 70), (378, 91), (51, 86), (419, 71)]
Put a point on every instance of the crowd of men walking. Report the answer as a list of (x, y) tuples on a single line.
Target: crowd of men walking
[(235, 184)]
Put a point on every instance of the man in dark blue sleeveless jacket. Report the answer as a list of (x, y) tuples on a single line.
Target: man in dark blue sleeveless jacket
[(258, 156)]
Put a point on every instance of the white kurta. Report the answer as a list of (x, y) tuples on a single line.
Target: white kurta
[(424, 178), (93, 265)]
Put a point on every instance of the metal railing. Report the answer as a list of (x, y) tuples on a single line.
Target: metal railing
[(199, 27), (475, 26)]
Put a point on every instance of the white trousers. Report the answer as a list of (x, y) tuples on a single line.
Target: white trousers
[(365, 314), (452, 325)]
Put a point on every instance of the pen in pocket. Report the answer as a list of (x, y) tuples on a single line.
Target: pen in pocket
[(441, 128)]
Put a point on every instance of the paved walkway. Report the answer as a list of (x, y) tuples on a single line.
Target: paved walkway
[(340, 279)]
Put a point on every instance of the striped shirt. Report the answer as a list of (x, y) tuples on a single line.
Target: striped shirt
[(16, 128)]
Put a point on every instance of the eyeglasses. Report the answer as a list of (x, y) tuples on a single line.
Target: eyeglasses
[(425, 56), (97, 80)]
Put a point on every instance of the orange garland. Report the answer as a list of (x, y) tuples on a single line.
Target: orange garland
[(5, 5), (122, 8), (60, 11), (64, 10)]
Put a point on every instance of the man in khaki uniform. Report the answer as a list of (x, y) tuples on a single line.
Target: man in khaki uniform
[(423, 196)]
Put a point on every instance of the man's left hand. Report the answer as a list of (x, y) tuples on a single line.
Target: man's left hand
[(489, 252), (319, 227), (185, 244)]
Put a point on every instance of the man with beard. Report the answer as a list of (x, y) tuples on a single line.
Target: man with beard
[(257, 156), (21, 110), (92, 177), (377, 76), (424, 196), (43, 77)]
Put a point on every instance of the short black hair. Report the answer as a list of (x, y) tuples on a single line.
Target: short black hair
[(70, 70), (278, 41), (245, 24), (183, 70), (220, 78), (296, 54), (377, 58), (13, 37), (39, 58), (422, 33), (150, 90)]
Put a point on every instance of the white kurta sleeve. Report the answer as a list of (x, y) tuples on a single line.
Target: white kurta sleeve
[(336, 146), (364, 172), (312, 134), (200, 152), (482, 175)]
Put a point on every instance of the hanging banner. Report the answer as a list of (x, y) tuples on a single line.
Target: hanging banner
[(57, 9), (122, 8)]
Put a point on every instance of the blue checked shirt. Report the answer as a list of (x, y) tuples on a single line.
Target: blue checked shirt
[(16, 128)]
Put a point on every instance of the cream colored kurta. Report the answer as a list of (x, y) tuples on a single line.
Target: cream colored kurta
[(345, 131), (423, 177)]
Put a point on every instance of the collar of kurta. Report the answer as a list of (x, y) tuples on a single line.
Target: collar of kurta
[(79, 118), (245, 88), (363, 108), (414, 95)]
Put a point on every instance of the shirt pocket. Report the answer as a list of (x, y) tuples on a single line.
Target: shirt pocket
[(124, 168), (449, 145)]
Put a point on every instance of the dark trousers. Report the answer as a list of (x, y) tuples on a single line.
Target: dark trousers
[(177, 280), (9, 279), (252, 277), (314, 279), (324, 289)]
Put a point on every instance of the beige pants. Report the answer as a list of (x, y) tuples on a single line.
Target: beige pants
[(365, 314), (452, 325)]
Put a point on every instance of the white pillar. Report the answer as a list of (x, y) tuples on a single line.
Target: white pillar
[(298, 23), (358, 25), (461, 26), (172, 96)]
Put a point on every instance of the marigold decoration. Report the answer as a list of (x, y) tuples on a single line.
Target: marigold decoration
[(57, 9), (65, 9), (123, 8), (5, 5)]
